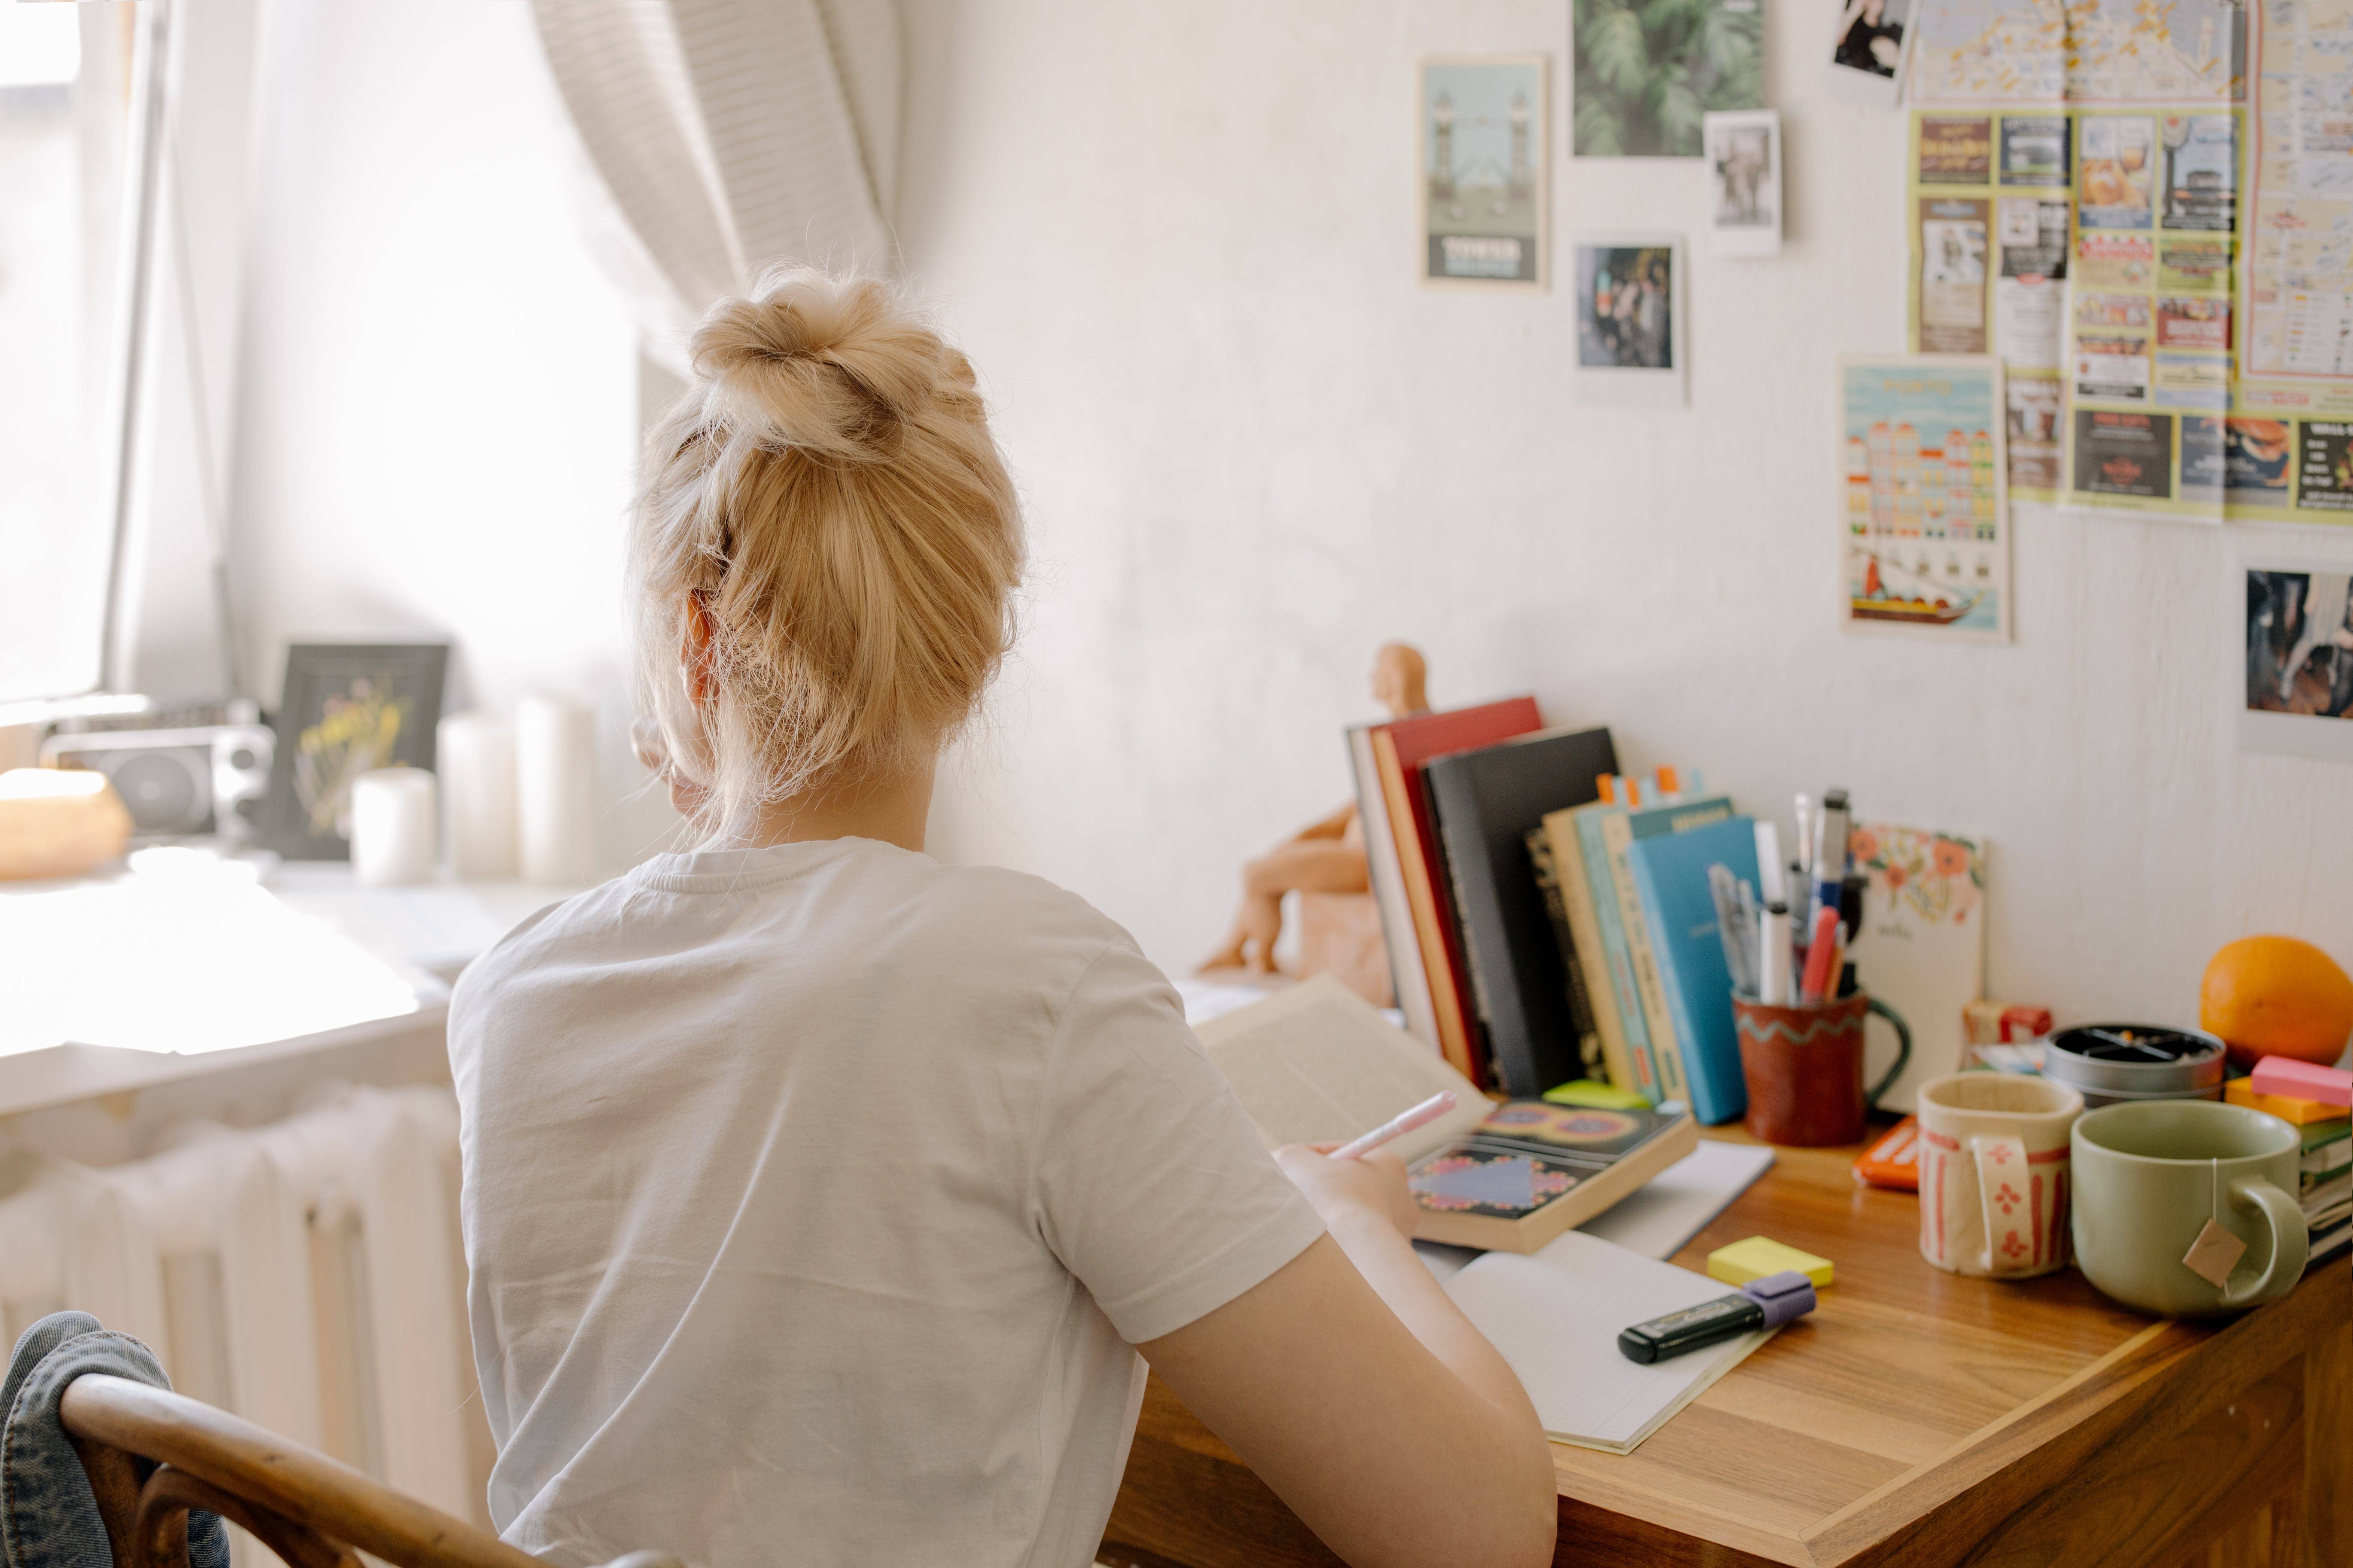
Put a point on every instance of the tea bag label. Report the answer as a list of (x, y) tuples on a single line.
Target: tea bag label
[(2214, 1255)]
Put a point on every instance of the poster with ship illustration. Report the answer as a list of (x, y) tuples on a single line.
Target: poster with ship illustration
[(1927, 529)]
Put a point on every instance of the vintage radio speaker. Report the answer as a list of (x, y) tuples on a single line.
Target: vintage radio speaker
[(206, 779)]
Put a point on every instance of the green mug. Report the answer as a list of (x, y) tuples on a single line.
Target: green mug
[(2148, 1178)]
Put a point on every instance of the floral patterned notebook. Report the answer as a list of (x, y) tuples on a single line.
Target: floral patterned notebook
[(1531, 1169), (1922, 946)]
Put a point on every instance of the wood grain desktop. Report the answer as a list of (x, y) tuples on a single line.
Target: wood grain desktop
[(1918, 1417)]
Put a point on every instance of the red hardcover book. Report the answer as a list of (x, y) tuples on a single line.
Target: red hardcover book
[(1400, 748)]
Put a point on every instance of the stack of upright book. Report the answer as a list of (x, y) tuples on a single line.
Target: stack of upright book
[(1547, 920)]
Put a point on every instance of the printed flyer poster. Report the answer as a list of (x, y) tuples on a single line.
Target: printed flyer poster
[(1927, 529), (2285, 439), (2087, 53), (2149, 321), (1991, 222)]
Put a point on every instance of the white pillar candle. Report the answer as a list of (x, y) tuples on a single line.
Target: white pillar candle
[(392, 840), (555, 787), (477, 755)]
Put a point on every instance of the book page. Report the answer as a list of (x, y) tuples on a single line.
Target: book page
[(1315, 1063), (1554, 1316)]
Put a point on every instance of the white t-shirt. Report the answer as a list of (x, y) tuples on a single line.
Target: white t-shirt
[(814, 1196)]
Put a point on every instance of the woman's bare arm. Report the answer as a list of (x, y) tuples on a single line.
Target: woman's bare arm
[(1356, 1389)]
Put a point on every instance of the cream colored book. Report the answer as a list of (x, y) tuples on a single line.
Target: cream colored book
[(1314, 1064), (1617, 833), (1584, 931)]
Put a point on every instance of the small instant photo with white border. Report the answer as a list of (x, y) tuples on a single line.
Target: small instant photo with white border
[(2294, 690), (1632, 337), (1743, 149)]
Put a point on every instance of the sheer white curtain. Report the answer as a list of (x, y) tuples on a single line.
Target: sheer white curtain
[(730, 135)]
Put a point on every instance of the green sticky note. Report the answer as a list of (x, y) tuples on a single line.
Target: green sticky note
[(1759, 1256), (1600, 1096)]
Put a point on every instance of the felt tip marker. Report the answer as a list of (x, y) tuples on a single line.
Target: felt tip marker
[(1829, 853), (1766, 1303), (1820, 954), (1429, 1111), (1773, 961)]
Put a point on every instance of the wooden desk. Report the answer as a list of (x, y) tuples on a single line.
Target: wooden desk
[(1915, 1418)]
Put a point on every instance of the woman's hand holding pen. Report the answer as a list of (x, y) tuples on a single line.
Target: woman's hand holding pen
[(1347, 1192)]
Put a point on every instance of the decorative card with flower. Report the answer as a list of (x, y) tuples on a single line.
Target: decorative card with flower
[(1922, 946)]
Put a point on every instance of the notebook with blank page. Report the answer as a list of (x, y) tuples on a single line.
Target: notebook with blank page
[(1556, 1314)]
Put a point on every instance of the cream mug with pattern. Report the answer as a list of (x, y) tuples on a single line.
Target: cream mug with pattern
[(1993, 1173)]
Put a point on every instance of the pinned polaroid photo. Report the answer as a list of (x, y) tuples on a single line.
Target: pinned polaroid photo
[(1630, 337), (1868, 50), (2297, 692), (1744, 165), (1483, 178)]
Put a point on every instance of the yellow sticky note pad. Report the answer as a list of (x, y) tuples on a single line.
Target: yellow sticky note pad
[(1759, 1256), (2303, 1113), (1607, 1097)]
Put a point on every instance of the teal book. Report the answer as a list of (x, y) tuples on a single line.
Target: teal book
[(1669, 874), (1658, 1019)]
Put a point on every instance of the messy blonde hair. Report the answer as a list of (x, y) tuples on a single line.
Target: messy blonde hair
[(829, 490)]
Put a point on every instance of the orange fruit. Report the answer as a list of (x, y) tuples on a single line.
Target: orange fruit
[(2277, 996)]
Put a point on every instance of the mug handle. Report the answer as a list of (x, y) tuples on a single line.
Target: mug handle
[(2005, 1202), (2290, 1242), (1903, 1049)]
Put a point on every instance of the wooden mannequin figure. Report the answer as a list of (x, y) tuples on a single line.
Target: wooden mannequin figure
[(1339, 923)]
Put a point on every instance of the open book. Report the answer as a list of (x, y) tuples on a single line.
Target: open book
[(1316, 1064)]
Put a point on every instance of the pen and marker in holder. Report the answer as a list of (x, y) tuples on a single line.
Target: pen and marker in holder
[(1766, 1303), (1801, 1025)]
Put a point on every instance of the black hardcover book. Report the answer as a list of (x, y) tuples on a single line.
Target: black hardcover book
[(1487, 801)]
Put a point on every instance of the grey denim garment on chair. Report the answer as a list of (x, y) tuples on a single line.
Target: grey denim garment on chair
[(48, 1516)]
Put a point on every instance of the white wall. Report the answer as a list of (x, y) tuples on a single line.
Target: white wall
[(1179, 241), (437, 425)]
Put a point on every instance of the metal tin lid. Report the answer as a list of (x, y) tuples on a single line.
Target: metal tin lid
[(2135, 1059)]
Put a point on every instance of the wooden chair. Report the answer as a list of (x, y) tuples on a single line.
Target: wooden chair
[(152, 1454)]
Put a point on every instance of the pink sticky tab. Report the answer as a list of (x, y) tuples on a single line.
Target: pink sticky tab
[(2293, 1079)]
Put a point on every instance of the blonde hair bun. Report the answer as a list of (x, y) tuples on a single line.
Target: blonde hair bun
[(827, 500), (834, 367)]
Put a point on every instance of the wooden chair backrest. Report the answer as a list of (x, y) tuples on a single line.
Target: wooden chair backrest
[(313, 1512)]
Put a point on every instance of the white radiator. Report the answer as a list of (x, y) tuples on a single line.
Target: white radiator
[(307, 1275)]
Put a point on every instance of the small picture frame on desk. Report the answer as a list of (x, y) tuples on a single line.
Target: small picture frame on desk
[(1632, 343), (347, 708)]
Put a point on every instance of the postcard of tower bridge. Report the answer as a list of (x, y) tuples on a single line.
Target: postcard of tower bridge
[(1484, 184)]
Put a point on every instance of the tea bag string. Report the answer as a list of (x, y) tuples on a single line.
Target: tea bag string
[(2214, 1166)]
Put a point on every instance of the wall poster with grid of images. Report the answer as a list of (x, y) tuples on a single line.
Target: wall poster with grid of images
[(1926, 527)]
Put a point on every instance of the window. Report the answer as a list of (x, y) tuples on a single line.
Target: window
[(66, 90)]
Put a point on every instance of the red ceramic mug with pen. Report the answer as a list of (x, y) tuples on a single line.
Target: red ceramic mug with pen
[(1803, 1068)]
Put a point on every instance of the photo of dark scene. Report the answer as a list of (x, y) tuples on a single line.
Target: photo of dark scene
[(2300, 643), (1625, 307)]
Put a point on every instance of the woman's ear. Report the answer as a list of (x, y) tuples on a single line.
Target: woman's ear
[(697, 633)]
